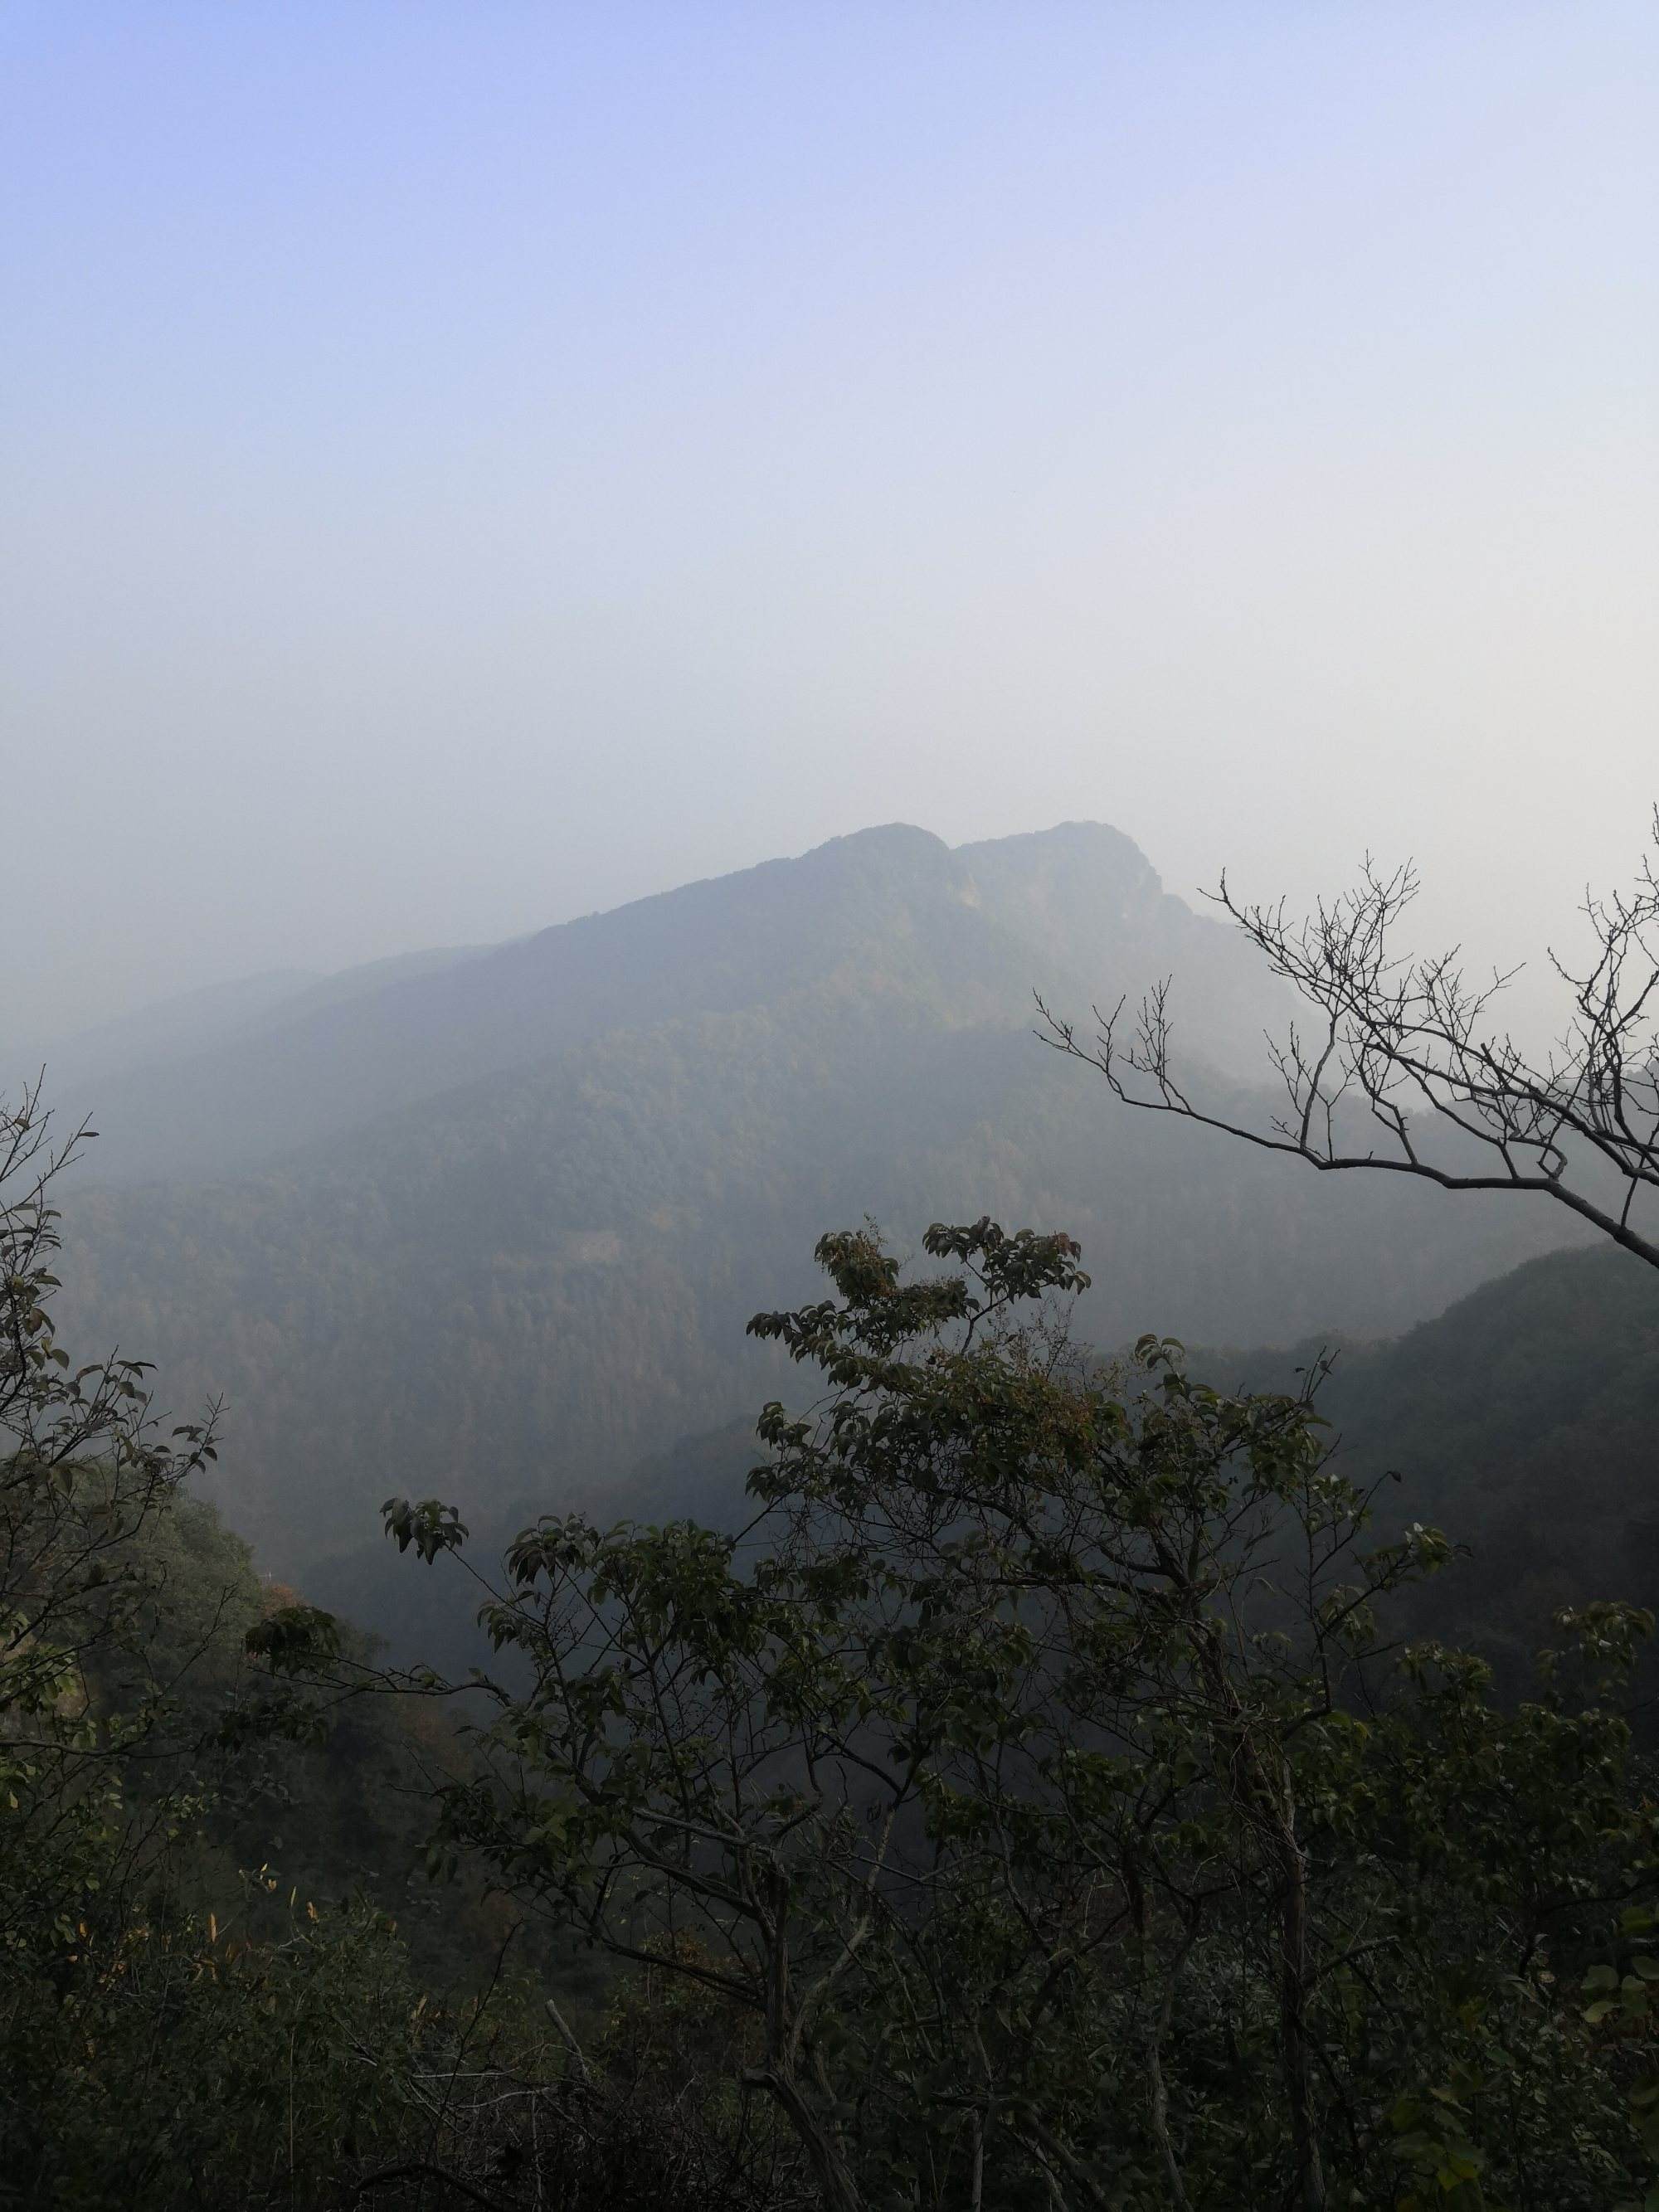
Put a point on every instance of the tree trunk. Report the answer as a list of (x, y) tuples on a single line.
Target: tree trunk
[(817, 2139), (1294, 1990), (1261, 1790)]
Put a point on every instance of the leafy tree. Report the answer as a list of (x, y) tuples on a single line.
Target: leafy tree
[(85, 1473), (1034, 1775), (171, 2038)]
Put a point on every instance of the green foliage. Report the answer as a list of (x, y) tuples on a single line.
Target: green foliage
[(170, 2060), (431, 1526), (179, 2061), (84, 1477), (1024, 1805), (1033, 1774), (172, 2034)]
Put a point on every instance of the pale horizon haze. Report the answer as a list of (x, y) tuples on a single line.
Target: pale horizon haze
[(466, 466)]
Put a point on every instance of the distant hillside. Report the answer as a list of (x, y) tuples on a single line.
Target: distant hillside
[(1524, 1421), (887, 911), (541, 1190)]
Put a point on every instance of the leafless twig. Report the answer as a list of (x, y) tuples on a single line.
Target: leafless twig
[(1401, 1070)]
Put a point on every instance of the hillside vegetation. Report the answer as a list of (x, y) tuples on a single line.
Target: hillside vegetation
[(1524, 1420), (495, 1228), (1030, 1808)]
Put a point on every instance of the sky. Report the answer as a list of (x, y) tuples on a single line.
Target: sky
[(469, 464)]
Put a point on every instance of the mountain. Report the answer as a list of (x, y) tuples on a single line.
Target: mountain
[(1525, 1422), (892, 911), (493, 1231)]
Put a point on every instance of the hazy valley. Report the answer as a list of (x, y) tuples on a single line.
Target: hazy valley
[(494, 1230)]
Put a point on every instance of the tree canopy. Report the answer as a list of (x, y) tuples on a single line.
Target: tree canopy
[(1036, 1772)]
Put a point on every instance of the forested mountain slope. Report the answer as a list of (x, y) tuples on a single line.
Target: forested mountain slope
[(890, 911), (1523, 1420), (618, 1139)]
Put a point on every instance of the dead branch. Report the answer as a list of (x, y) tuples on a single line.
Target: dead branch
[(1402, 1069)]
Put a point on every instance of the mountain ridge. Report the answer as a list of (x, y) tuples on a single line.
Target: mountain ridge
[(730, 940), (532, 1261)]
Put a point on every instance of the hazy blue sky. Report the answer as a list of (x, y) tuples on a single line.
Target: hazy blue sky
[(470, 463)]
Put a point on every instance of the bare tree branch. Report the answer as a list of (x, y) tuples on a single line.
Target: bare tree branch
[(1404, 1072)]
